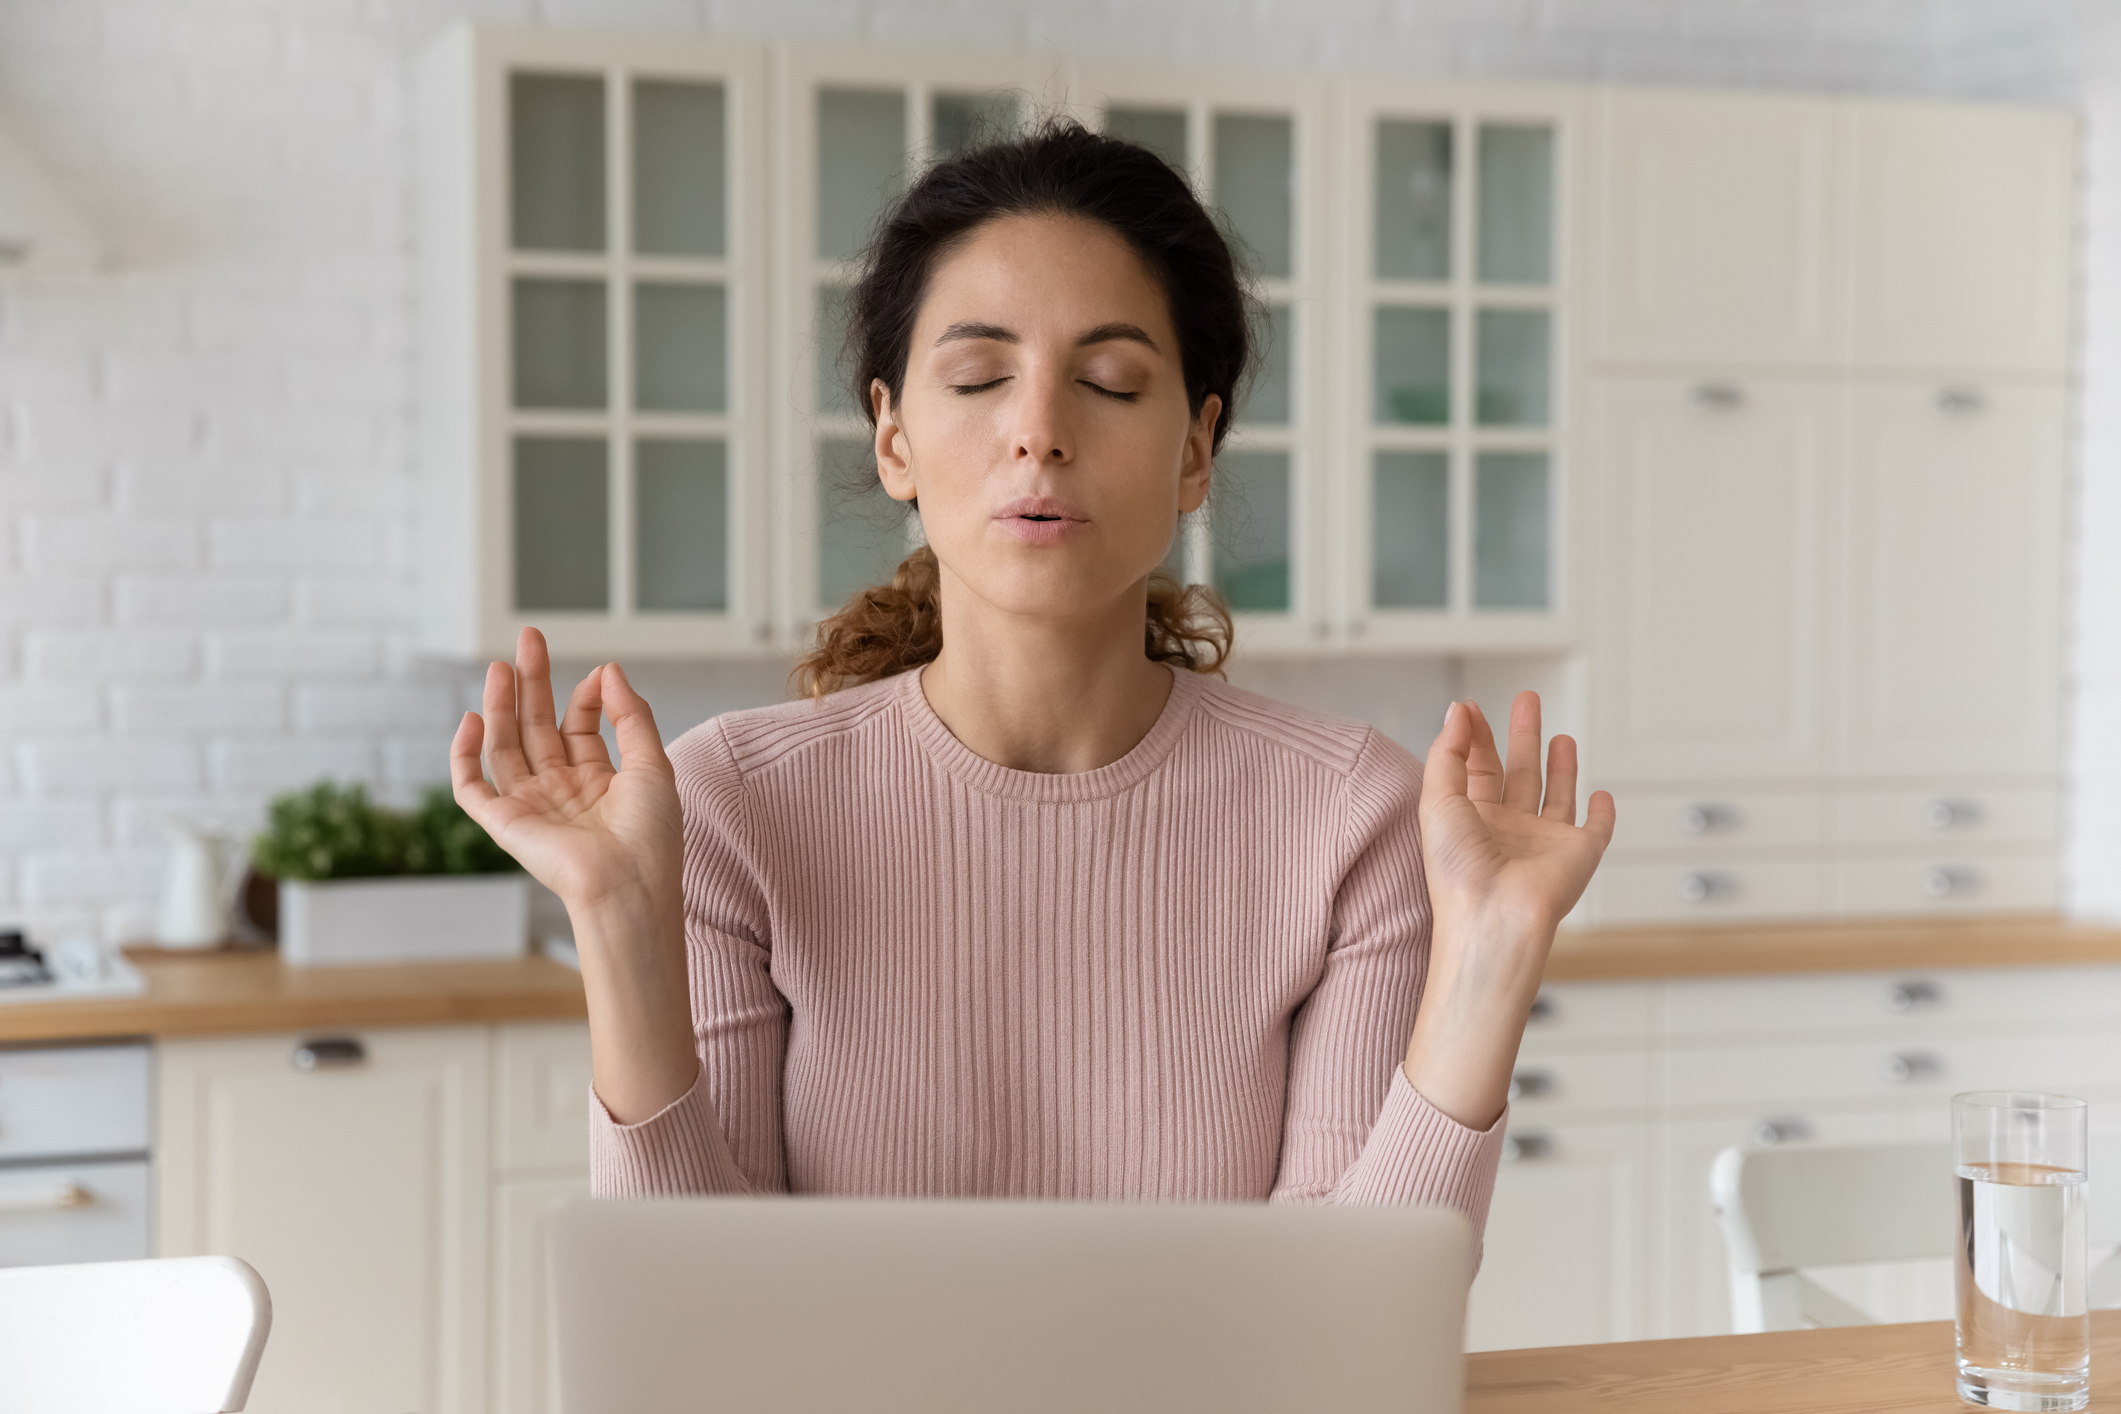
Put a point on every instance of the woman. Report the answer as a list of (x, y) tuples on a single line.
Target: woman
[(1024, 900)]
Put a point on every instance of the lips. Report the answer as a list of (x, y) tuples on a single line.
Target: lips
[(1040, 508)]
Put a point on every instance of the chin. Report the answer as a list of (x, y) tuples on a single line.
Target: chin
[(1050, 589)]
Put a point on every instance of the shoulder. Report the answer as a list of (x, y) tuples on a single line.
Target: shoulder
[(1354, 751), (728, 749)]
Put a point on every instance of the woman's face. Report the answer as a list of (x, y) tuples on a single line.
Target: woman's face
[(1043, 423)]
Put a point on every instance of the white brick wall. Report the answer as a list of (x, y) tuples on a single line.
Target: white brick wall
[(205, 482)]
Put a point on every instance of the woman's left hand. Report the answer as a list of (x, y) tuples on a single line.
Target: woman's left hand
[(1505, 861)]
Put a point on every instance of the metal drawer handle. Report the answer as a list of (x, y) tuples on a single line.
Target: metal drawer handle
[(1516, 1148), (58, 1198), (1704, 819), (1949, 814), (1961, 398), (1786, 1130), (1910, 1066), (1946, 881), (1721, 396), (328, 1052), (1700, 888), (1907, 996), (1532, 1085)]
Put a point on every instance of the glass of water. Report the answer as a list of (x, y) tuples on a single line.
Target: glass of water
[(2024, 1333)]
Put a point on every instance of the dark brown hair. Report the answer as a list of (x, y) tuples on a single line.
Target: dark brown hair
[(1059, 169)]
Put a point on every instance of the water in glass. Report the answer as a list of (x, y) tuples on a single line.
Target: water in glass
[(2024, 1335)]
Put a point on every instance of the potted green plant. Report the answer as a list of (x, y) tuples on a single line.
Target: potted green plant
[(361, 883)]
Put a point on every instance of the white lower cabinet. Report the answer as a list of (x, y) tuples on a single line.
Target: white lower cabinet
[(388, 1184)]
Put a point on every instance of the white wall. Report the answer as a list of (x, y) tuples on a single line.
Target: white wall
[(205, 481)]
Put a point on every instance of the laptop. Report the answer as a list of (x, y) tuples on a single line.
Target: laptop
[(837, 1306)]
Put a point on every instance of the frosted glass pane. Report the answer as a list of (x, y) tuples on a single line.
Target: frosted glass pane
[(1510, 530), (1268, 401), (961, 120), (1413, 372), (833, 399), (1161, 130), (1511, 348), (862, 532), (1516, 212), (680, 348), (1252, 530), (559, 354), (1413, 201), (1255, 185), (680, 169), (1410, 531), (556, 162), (861, 163), (562, 524), (681, 526)]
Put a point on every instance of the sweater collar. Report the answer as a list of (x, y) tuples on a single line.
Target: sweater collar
[(976, 771)]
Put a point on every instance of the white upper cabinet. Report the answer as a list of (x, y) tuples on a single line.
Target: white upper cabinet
[(1457, 249), (853, 127), (1963, 221), (594, 344), (1715, 231), (1708, 640), (1953, 553), (1256, 148)]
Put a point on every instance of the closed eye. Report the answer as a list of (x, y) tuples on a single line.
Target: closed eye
[(968, 389), (1109, 392)]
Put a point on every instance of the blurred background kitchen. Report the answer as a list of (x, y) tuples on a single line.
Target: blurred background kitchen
[(1744, 375)]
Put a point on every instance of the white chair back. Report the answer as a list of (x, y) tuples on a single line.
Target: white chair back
[(180, 1335), (1783, 1210)]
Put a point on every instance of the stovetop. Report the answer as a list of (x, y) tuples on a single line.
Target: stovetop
[(73, 970)]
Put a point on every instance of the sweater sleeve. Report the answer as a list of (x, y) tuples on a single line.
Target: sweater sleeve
[(724, 1135), (1355, 1130)]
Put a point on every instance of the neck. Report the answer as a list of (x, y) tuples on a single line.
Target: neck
[(1050, 694)]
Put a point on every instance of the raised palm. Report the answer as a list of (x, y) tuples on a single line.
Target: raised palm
[(1497, 847), (587, 830)]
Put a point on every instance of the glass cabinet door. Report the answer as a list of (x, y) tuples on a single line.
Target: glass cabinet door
[(622, 305), (1461, 410)]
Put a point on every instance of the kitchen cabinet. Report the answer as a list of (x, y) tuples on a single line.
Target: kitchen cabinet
[(359, 1190), (392, 1197)]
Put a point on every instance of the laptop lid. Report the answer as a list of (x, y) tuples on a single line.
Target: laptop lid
[(810, 1305)]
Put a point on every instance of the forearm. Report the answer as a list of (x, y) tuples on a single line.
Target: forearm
[(1481, 983), (640, 1011)]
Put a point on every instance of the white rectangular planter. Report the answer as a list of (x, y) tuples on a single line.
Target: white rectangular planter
[(423, 918)]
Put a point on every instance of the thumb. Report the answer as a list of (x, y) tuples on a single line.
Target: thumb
[(639, 741), (1443, 771)]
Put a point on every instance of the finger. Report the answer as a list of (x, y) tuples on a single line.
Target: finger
[(534, 715), (1598, 817), (1443, 770), (580, 728), (504, 749), (1483, 763), (467, 782), (1521, 782), (639, 742), (1561, 780)]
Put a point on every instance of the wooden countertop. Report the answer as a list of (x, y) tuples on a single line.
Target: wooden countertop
[(1617, 954), (234, 993), (1873, 1369)]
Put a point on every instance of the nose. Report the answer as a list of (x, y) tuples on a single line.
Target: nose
[(1044, 432)]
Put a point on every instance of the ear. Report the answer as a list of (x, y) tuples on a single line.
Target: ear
[(1196, 466), (894, 459)]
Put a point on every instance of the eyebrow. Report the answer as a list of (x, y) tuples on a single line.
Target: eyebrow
[(1102, 334)]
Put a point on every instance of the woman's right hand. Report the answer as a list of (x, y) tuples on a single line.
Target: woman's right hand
[(610, 842)]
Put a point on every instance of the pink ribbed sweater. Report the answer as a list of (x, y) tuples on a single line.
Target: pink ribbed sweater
[(1189, 974)]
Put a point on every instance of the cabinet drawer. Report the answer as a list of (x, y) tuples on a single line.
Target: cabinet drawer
[(1711, 890), (1590, 1011), (1886, 1004), (1786, 1075), (73, 1100), (1710, 822), (1548, 1083), (1948, 882), (1949, 819), (541, 1088)]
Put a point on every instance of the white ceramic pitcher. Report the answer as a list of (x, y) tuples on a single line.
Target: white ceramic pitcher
[(199, 894)]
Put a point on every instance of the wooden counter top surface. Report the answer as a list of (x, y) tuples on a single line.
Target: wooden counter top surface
[(233, 993), (1622, 954), (1849, 1370)]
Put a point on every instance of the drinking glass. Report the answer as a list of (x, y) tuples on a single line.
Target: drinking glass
[(2024, 1334)]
